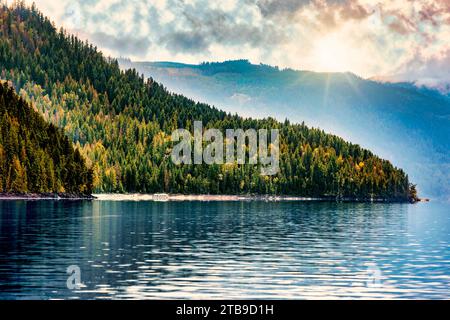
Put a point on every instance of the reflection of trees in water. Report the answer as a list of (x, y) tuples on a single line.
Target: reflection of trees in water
[(34, 251), (173, 239), (119, 244)]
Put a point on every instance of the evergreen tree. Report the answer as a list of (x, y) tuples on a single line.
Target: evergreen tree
[(36, 156)]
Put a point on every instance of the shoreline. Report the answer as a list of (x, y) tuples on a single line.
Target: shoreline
[(233, 198), (45, 196), (189, 197)]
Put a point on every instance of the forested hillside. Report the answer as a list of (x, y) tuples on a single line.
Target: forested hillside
[(122, 123), (36, 156), (411, 123)]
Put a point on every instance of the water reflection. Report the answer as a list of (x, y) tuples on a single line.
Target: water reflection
[(223, 250)]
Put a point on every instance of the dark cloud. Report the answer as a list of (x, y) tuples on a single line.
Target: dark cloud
[(186, 42), (429, 13), (399, 23), (123, 44), (399, 27), (203, 28), (275, 7), (436, 13), (328, 13), (353, 10), (327, 9), (437, 10)]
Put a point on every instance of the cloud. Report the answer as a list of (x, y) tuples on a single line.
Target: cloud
[(430, 71), (353, 10), (241, 99), (125, 45), (270, 8), (185, 41), (435, 10), (369, 38)]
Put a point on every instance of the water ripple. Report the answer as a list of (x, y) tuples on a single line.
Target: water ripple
[(232, 250)]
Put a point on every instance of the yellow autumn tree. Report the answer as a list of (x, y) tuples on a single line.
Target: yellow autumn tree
[(18, 177)]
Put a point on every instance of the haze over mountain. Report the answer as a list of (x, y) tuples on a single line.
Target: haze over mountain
[(406, 124)]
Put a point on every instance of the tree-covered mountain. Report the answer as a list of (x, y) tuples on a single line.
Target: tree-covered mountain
[(122, 123), (36, 156), (408, 125)]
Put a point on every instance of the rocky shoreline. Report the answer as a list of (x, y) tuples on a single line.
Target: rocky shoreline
[(45, 196)]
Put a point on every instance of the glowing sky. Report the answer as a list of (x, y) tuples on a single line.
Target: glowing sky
[(397, 39)]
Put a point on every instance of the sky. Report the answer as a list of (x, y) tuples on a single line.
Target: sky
[(399, 40)]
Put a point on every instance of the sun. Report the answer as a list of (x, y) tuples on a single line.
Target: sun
[(330, 54)]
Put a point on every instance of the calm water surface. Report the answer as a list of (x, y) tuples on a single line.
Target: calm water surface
[(128, 250)]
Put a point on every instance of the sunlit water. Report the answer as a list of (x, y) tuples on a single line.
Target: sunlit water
[(196, 250)]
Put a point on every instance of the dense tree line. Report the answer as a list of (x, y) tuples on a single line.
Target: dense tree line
[(122, 123), (36, 156)]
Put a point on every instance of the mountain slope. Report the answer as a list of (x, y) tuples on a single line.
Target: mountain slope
[(122, 123), (410, 126), (36, 156)]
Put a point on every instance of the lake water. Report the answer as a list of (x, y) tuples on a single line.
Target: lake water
[(197, 250)]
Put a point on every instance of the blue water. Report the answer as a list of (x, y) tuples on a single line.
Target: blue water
[(196, 250)]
